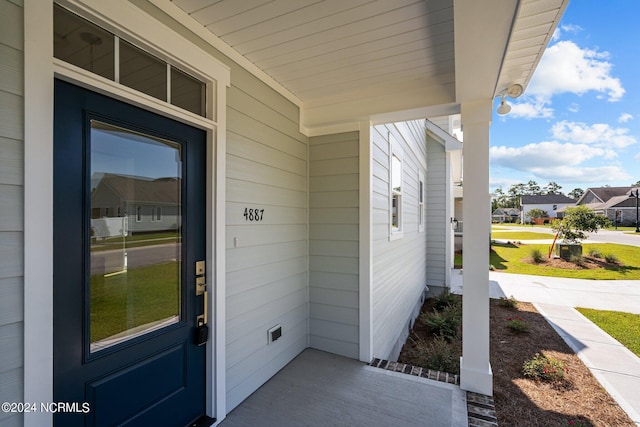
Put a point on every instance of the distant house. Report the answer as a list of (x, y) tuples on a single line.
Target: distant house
[(123, 205), (505, 215), (616, 203), (553, 204)]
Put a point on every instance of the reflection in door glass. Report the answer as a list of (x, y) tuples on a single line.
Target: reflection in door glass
[(135, 234)]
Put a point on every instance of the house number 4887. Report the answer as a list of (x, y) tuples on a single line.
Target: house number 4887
[(253, 215)]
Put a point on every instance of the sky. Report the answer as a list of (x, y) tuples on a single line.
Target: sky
[(578, 122)]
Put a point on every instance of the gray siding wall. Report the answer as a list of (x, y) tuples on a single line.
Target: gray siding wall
[(399, 266), (333, 243), (436, 212), (266, 260), (11, 206)]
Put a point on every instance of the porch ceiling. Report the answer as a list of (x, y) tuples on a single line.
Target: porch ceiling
[(348, 60)]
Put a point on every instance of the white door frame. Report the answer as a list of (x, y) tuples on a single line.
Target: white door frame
[(126, 20)]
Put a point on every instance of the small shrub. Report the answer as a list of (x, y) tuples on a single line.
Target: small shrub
[(518, 324), (611, 258), (445, 323), (491, 267), (438, 355), (510, 302), (595, 253), (578, 260), (445, 299), (536, 255), (544, 368)]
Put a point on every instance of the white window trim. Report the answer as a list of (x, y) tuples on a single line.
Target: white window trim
[(40, 68), (422, 214), (395, 151)]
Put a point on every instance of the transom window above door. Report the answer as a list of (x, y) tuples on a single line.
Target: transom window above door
[(92, 48)]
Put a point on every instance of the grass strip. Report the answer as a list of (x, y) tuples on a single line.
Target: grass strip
[(624, 327)]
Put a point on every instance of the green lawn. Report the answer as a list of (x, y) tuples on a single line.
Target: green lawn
[(506, 257), (625, 327), (521, 235), (137, 297)]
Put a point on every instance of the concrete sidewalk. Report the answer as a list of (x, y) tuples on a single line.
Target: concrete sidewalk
[(614, 366)]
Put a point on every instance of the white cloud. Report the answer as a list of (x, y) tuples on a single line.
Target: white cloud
[(625, 117), (574, 108), (637, 157), (599, 175), (567, 68), (531, 110), (559, 162), (542, 155), (598, 134), (568, 28)]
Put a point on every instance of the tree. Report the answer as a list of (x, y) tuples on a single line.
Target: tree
[(576, 193), (578, 221), (499, 200), (515, 192), (552, 188), (537, 213), (637, 184), (533, 188)]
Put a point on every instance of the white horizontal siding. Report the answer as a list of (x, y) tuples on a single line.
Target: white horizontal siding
[(11, 207), (399, 266), (333, 244), (266, 261), (436, 213)]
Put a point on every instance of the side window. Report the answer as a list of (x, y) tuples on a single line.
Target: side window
[(138, 213), (395, 188)]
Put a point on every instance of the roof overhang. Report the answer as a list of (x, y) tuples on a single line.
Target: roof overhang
[(384, 61), (444, 138)]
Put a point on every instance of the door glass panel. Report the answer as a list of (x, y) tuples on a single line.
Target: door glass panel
[(135, 234)]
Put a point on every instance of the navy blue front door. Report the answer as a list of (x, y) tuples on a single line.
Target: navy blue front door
[(129, 227)]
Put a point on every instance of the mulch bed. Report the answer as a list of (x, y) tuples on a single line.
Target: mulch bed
[(520, 401), (588, 263)]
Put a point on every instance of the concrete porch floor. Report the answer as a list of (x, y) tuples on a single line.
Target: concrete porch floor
[(323, 389)]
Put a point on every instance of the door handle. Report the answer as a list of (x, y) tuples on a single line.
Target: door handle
[(201, 289), (202, 330)]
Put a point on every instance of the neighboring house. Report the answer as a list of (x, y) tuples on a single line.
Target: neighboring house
[(505, 215), (550, 203), (298, 132), (143, 205), (616, 203)]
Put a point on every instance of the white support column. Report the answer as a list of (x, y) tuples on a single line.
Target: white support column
[(475, 368)]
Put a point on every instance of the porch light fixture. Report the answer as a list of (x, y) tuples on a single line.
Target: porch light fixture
[(504, 108), (513, 91)]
